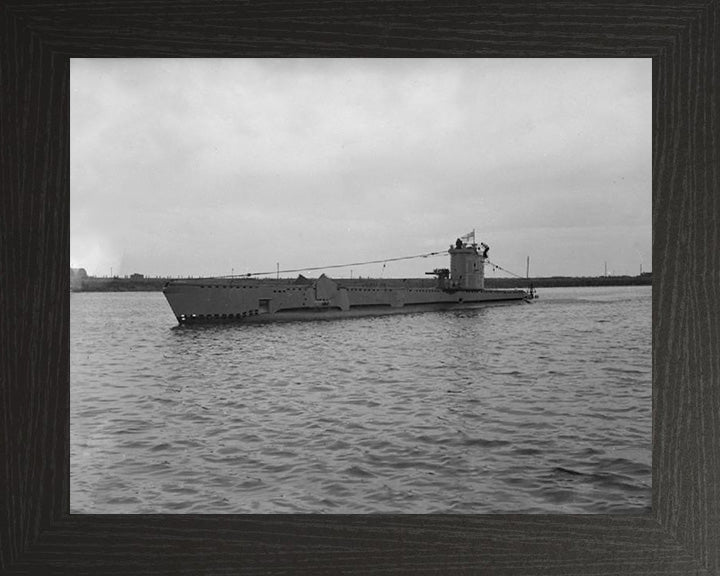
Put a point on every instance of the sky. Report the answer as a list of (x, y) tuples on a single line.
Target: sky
[(201, 167)]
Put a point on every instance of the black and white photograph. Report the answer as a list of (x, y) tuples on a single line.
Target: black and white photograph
[(360, 286)]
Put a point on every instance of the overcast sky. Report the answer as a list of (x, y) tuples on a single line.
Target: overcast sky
[(201, 167)]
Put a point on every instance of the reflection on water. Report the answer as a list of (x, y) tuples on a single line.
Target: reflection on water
[(527, 408)]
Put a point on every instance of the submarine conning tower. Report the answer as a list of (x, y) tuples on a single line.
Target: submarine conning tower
[(467, 266)]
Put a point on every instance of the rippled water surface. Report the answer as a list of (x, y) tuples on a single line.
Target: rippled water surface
[(524, 408)]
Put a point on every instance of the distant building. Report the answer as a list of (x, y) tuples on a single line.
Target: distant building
[(137, 276), (77, 275)]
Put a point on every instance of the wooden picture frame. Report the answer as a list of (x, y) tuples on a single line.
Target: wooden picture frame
[(38, 535)]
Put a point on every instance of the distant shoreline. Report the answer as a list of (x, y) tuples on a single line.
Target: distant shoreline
[(118, 284), (569, 281)]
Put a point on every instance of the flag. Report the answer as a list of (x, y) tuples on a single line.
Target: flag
[(469, 235)]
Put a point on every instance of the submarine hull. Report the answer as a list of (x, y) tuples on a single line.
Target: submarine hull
[(237, 300)]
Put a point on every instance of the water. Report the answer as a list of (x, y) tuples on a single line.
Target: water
[(542, 408)]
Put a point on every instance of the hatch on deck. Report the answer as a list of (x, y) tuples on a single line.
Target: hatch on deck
[(325, 288)]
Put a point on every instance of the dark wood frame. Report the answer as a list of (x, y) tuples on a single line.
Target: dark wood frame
[(37, 533)]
